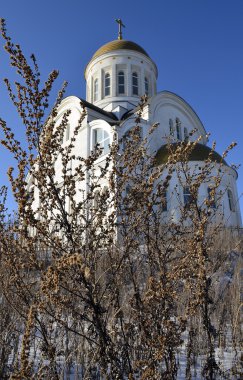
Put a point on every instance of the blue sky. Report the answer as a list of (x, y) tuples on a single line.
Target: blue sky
[(196, 44)]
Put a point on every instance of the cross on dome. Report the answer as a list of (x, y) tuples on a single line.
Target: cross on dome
[(120, 23)]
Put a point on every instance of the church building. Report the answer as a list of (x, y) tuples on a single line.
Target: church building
[(118, 74)]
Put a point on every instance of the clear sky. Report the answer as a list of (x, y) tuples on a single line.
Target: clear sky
[(196, 44)]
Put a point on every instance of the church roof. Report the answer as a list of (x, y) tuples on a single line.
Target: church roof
[(119, 45), (200, 152), (98, 109)]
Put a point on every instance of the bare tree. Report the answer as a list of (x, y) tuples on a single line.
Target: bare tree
[(101, 283)]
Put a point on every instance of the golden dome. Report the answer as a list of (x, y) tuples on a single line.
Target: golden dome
[(118, 45)]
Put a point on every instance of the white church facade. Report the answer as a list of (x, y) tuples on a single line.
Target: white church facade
[(118, 74)]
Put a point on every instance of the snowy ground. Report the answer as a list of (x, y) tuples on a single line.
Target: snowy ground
[(225, 358)]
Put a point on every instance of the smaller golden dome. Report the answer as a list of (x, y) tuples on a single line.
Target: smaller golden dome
[(200, 152), (118, 45)]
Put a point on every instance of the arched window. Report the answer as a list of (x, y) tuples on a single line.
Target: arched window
[(186, 135), (187, 196), (66, 135), (105, 192), (146, 85), (95, 90), (231, 200), (121, 83), (96, 200), (107, 84), (178, 128), (211, 197), (128, 190), (102, 138), (171, 127), (134, 83)]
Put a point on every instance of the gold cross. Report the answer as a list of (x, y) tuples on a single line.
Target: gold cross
[(119, 21)]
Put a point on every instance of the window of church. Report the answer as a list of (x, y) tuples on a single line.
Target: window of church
[(66, 135), (134, 83), (69, 206), (146, 85), (30, 194), (107, 84), (121, 83), (102, 138), (105, 192), (95, 90), (171, 127), (187, 195), (231, 200), (211, 197), (186, 134), (96, 200), (128, 189), (178, 129)]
